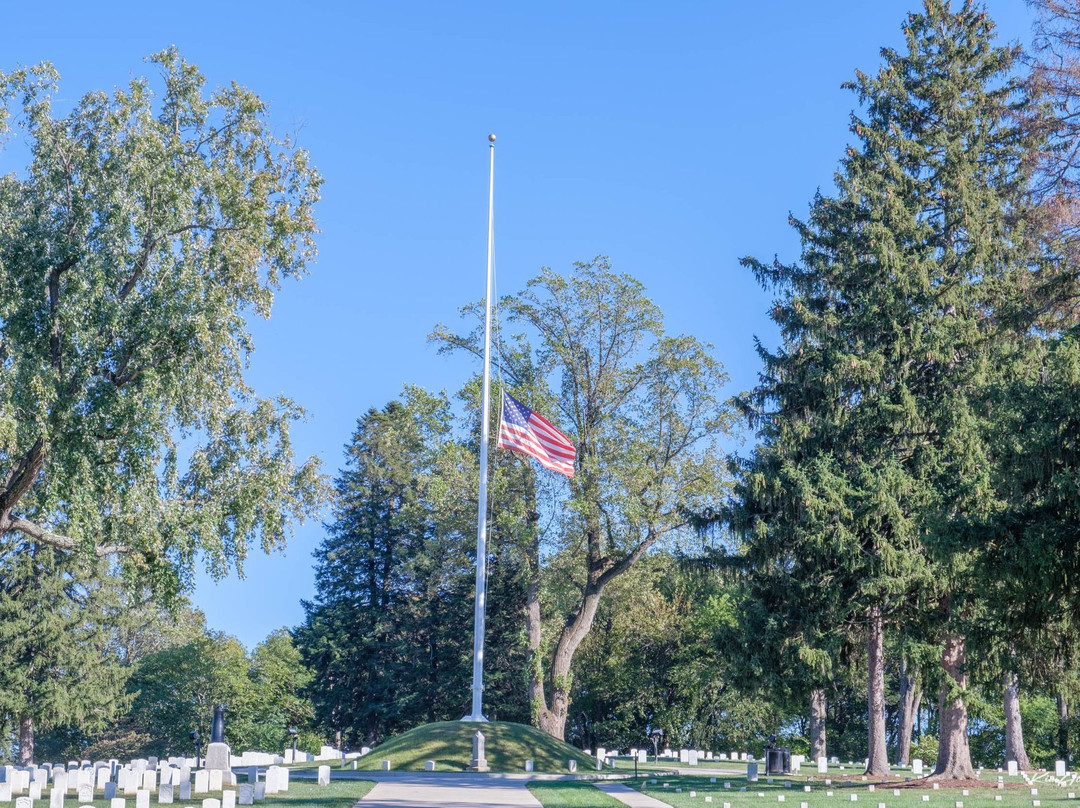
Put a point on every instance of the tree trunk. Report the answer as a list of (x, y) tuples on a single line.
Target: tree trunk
[(1063, 727), (877, 758), (26, 740), (1014, 730), (552, 716), (537, 700), (817, 724), (910, 696), (954, 754)]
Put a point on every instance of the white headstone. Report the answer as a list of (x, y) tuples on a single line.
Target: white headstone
[(530, 766), (916, 766), (228, 798), (149, 779), (692, 757), (165, 794), (202, 781), (751, 772), (214, 780), (26, 802), (283, 780), (86, 793), (117, 802), (571, 765), (429, 765), (324, 775), (211, 803), (142, 798), (272, 780), (260, 791), (56, 797), (822, 765), (185, 789), (1059, 768), (1012, 767), (101, 777), (642, 756), (5, 791), (245, 794)]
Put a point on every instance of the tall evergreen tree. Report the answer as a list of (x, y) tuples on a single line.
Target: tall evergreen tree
[(58, 669), (392, 577), (873, 403)]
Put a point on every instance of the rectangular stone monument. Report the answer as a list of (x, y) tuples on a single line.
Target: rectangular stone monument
[(56, 798), (684, 756), (642, 756), (1012, 768), (283, 779), (110, 790), (751, 772), (202, 781), (916, 767), (211, 803), (34, 792), (24, 802), (85, 793), (117, 802), (228, 798), (1059, 768), (185, 789), (324, 776), (214, 780), (165, 794), (101, 777), (260, 791), (245, 794), (571, 765), (479, 756), (5, 791), (142, 798), (692, 757), (530, 766), (149, 780)]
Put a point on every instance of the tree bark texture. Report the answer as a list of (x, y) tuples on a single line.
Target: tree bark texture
[(910, 696), (954, 753), (1063, 727), (817, 724), (1014, 730), (877, 758), (26, 740)]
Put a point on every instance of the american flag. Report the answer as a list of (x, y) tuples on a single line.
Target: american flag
[(528, 432)]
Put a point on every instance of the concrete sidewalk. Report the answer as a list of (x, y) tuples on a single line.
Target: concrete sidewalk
[(448, 791), (630, 796)]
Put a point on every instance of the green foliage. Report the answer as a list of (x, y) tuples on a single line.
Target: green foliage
[(394, 579), (58, 668), (150, 223), (926, 748)]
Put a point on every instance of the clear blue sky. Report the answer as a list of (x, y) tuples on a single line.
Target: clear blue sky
[(673, 137)]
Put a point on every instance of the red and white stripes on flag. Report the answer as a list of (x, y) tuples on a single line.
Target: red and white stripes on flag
[(528, 432)]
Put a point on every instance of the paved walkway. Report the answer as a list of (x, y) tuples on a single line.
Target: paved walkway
[(448, 791), (630, 796)]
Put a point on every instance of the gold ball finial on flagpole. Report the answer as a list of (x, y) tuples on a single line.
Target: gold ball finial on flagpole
[(491, 138)]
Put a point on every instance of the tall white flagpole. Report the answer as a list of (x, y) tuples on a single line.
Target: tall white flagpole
[(481, 516)]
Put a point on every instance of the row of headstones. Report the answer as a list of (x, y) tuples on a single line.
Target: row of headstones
[(325, 753), (247, 794), (175, 782)]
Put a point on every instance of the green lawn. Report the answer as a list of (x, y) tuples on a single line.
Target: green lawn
[(449, 744), (570, 794), (685, 791)]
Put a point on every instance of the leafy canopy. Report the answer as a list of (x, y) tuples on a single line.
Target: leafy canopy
[(149, 224)]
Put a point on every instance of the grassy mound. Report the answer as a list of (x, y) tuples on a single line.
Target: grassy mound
[(449, 744)]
